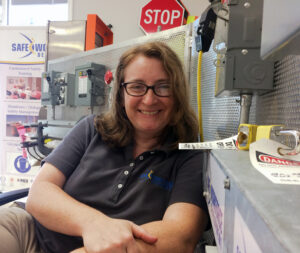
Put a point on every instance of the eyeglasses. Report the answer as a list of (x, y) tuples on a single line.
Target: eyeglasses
[(137, 89)]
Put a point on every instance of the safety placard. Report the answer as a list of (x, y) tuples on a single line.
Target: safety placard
[(280, 169)]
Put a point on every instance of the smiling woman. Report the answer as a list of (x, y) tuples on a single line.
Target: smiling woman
[(150, 64), (117, 182)]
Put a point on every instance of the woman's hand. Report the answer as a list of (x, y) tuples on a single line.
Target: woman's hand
[(113, 236)]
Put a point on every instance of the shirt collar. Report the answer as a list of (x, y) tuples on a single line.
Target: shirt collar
[(165, 148)]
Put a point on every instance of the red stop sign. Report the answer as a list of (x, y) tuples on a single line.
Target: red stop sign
[(165, 14)]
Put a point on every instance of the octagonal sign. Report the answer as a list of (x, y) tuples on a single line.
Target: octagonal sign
[(161, 15)]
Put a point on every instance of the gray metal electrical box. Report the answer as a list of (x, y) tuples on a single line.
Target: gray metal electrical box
[(240, 70), (47, 79), (58, 88), (89, 84), (65, 86)]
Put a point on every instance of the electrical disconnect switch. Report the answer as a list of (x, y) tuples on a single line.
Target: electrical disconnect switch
[(57, 88), (89, 85)]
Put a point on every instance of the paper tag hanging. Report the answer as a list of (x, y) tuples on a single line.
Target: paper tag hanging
[(228, 143), (280, 169)]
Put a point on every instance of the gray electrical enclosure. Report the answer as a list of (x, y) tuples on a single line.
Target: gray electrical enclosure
[(47, 79), (65, 86), (58, 88), (240, 69), (89, 85)]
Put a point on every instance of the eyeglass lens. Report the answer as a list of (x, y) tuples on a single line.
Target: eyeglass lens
[(140, 89)]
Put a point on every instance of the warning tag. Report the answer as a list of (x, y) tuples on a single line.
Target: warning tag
[(280, 169)]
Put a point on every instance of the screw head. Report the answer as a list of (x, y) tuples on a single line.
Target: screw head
[(247, 5), (244, 51)]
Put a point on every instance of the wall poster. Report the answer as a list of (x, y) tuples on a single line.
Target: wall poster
[(22, 57)]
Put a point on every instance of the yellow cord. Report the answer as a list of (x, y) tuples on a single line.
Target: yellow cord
[(199, 95)]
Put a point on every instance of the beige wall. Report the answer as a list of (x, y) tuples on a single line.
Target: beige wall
[(124, 14)]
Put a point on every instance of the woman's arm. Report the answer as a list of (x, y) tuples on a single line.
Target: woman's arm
[(59, 212), (179, 231)]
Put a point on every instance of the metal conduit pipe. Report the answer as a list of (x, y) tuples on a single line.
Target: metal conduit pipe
[(245, 102)]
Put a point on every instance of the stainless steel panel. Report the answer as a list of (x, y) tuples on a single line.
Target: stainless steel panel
[(280, 29), (282, 106), (65, 38)]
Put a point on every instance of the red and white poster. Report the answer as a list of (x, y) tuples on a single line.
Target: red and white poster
[(22, 57)]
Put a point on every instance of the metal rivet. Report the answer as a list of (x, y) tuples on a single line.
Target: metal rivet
[(244, 51), (131, 164), (126, 172), (141, 158), (120, 186), (247, 5)]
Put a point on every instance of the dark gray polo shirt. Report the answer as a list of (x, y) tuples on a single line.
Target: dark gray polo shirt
[(113, 181)]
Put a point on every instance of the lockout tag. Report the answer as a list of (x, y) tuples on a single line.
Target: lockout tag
[(280, 169), (228, 143)]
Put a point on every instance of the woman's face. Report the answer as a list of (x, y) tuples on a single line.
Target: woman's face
[(149, 114)]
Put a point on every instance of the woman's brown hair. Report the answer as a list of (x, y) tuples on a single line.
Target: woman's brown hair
[(114, 126)]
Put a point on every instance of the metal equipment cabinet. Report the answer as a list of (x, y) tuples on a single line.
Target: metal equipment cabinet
[(249, 213)]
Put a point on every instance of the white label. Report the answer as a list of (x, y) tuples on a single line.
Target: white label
[(280, 169), (228, 143), (82, 85)]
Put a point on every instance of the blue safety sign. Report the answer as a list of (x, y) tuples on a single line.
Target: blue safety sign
[(21, 164)]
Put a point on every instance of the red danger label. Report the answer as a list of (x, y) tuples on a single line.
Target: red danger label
[(265, 158)]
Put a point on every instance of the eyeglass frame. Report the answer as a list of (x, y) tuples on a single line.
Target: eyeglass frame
[(124, 84)]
